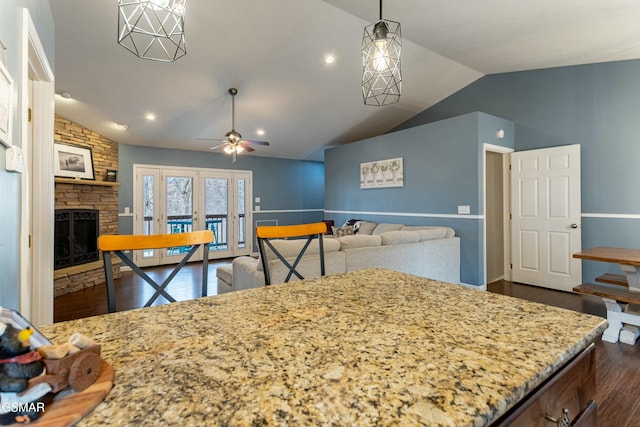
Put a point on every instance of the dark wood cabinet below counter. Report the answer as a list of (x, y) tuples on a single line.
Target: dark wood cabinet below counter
[(570, 390)]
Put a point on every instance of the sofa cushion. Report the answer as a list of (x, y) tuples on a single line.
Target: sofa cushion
[(397, 237), (430, 232), (383, 228), (367, 227), (225, 272), (345, 230), (291, 248), (359, 241)]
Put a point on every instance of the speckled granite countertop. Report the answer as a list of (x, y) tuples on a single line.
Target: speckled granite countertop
[(371, 347)]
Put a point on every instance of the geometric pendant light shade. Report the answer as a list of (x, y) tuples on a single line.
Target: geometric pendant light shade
[(381, 73), (152, 29)]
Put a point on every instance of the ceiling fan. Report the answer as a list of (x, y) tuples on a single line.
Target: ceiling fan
[(233, 143)]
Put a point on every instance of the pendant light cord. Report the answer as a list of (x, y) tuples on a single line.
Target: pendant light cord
[(381, 10)]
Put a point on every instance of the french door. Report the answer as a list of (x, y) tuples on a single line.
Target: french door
[(177, 200)]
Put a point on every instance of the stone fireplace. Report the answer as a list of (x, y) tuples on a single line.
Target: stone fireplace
[(97, 195)]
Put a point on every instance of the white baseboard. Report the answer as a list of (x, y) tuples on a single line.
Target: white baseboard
[(477, 288)]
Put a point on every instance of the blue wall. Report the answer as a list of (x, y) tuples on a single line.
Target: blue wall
[(595, 106), (291, 191), (10, 183), (442, 170)]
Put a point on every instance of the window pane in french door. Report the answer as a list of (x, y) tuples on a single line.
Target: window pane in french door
[(217, 212), (149, 210), (179, 208), (242, 217)]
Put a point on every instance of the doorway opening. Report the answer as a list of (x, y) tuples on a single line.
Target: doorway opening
[(496, 210)]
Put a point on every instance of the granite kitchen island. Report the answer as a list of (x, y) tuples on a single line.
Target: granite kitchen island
[(370, 347)]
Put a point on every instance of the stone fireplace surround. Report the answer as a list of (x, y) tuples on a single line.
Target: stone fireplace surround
[(85, 194)]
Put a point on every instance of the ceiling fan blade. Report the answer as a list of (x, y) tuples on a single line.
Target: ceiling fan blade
[(247, 148), (218, 146), (249, 141)]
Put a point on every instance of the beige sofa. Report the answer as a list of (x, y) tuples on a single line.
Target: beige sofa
[(432, 252)]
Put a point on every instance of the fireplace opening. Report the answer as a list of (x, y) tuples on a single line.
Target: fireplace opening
[(75, 237)]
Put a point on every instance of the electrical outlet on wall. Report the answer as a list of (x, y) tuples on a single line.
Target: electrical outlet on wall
[(464, 209)]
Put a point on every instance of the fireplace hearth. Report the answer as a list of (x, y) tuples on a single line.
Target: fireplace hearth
[(75, 237)]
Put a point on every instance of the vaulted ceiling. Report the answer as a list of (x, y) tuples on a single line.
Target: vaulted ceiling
[(273, 52)]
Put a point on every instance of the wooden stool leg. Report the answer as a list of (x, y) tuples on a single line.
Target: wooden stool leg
[(108, 275), (205, 268)]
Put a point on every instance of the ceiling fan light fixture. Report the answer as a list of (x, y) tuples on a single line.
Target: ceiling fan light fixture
[(152, 29), (381, 72), (233, 143)]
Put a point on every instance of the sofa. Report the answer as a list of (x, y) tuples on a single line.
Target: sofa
[(426, 251)]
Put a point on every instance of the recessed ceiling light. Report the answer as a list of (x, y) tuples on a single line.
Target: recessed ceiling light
[(150, 116), (121, 126), (329, 59), (260, 132), (65, 95)]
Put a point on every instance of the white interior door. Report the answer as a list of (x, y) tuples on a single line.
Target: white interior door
[(546, 208)]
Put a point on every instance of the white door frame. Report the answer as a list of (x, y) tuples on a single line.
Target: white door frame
[(36, 225), (506, 205), (200, 173)]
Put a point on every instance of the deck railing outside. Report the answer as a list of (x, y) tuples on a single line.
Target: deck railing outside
[(184, 223)]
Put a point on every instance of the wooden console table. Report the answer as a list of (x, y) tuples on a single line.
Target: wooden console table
[(620, 293)]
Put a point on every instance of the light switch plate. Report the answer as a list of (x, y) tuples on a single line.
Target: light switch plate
[(14, 159)]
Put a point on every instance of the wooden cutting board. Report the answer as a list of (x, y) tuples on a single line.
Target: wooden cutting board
[(69, 407)]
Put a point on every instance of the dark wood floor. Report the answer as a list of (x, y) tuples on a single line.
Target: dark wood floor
[(617, 365)]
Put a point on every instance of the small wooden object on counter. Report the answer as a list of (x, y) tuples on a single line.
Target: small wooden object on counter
[(69, 407), (78, 370)]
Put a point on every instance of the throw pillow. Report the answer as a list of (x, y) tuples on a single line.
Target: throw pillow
[(355, 223), (367, 227), (342, 231)]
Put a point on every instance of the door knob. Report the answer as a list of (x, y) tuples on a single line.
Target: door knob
[(574, 225)]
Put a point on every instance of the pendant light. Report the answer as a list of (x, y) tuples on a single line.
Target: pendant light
[(381, 75), (152, 29)]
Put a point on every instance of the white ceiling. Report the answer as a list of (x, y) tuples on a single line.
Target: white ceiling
[(273, 52)]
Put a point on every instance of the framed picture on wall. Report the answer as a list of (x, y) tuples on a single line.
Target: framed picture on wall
[(382, 174), (71, 161), (6, 90)]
